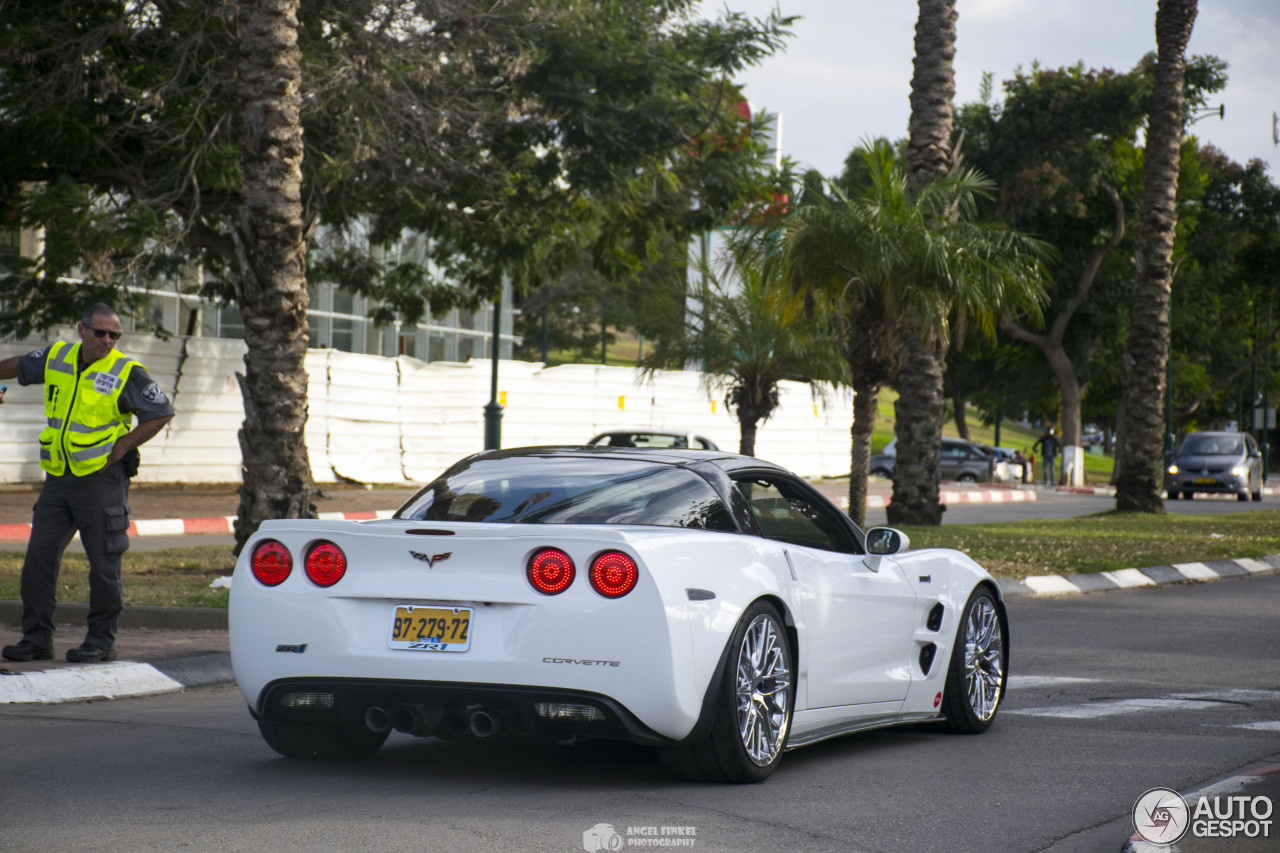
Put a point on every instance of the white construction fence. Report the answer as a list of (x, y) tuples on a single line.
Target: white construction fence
[(398, 420)]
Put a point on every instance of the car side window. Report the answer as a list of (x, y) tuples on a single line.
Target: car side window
[(787, 516)]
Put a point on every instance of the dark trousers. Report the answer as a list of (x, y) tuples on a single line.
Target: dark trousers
[(97, 505)]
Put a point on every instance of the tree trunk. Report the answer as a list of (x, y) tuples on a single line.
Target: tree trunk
[(1051, 343), (918, 418), (1140, 481), (746, 434), (933, 89), (866, 403), (271, 269), (959, 412), (1117, 445), (919, 413), (1069, 388)]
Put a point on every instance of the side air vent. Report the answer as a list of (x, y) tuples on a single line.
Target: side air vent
[(934, 622), (926, 657)]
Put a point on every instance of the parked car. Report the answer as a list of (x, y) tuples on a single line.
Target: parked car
[(677, 438), (714, 606), (1220, 462), (958, 460)]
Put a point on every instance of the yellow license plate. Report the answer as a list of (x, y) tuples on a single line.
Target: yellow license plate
[(1204, 481), (431, 629)]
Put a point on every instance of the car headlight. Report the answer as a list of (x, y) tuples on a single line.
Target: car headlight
[(1173, 469), (1240, 471)]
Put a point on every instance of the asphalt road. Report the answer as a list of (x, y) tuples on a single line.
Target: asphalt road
[(1113, 694)]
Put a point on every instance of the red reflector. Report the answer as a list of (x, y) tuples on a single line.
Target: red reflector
[(550, 571), (271, 562), (325, 564), (614, 574)]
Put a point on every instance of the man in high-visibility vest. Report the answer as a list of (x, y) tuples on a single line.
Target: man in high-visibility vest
[(88, 453)]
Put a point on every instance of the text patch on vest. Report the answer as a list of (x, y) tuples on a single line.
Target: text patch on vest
[(106, 383)]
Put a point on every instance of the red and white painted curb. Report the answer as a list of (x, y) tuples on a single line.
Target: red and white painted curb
[(184, 526), (954, 496), (1110, 491)]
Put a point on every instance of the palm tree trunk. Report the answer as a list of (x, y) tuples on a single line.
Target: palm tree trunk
[(271, 269), (866, 402), (746, 434), (918, 420), (933, 91), (959, 413), (1140, 482), (919, 414)]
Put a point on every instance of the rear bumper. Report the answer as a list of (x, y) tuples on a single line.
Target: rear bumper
[(447, 708)]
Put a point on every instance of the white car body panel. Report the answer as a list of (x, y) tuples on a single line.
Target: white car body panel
[(859, 621)]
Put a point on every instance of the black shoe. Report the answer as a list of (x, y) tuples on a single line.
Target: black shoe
[(89, 653), (25, 651)]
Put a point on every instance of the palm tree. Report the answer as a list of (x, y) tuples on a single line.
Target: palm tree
[(749, 329), (919, 412), (897, 260), (1140, 480), (271, 286)]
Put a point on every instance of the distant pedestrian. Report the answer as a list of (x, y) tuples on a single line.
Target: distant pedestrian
[(1024, 465), (88, 453), (1049, 444)]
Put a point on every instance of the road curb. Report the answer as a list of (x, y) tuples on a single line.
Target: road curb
[(990, 495), (182, 526), (1051, 585), (117, 680)]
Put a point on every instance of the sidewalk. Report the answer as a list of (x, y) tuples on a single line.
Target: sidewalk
[(152, 660)]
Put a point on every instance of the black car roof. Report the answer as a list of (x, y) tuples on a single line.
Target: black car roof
[(659, 456)]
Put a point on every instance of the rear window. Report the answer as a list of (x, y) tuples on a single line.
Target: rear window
[(560, 490)]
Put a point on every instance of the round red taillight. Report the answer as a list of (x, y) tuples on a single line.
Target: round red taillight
[(325, 563), (271, 562), (614, 574), (550, 571)]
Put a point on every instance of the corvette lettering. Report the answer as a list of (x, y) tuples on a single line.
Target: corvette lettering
[(577, 662)]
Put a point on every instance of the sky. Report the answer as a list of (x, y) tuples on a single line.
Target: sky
[(845, 76)]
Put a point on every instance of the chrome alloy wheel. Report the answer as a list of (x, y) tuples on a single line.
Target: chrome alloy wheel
[(764, 690), (983, 658)]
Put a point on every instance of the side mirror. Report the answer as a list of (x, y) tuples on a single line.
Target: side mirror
[(885, 541)]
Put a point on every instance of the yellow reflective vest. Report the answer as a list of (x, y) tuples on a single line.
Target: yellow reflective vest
[(82, 416)]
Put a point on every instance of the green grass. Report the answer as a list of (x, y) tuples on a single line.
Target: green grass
[(1105, 542), (177, 577)]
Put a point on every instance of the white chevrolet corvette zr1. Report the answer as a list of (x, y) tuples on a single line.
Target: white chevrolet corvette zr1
[(711, 605)]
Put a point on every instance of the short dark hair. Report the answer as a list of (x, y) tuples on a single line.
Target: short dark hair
[(94, 310)]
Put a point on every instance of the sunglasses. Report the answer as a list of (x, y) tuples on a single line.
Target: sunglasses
[(103, 333)]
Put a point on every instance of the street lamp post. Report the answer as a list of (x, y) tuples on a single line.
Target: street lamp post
[(493, 410)]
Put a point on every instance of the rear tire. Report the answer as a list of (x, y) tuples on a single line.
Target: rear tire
[(753, 709), (968, 478), (976, 677), (330, 742)]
